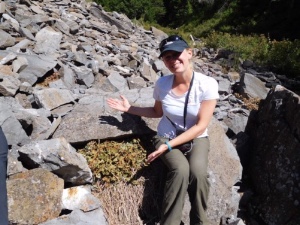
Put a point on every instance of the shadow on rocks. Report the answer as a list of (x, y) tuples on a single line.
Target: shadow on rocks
[(155, 175)]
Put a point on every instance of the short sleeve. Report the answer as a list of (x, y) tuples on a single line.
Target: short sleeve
[(162, 86), (212, 89), (156, 92)]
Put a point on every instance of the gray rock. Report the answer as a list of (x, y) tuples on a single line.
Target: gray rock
[(84, 75), (224, 86), (236, 120), (19, 64), (62, 26), (59, 157), (14, 23), (118, 81), (48, 41), (253, 86), (8, 58), (11, 126), (34, 120), (68, 77), (14, 165), (38, 66), (52, 98), (2, 7), (225, 171), (124, 25), (77, 217), (26, 33), (148, 73), (136, 82), (9, 85), (58, 84), (23, 44)]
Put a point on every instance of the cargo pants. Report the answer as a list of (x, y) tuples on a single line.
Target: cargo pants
[(186, 174)]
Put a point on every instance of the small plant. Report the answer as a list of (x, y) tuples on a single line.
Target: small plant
[(53, 77), (249, 103), (113, 161)]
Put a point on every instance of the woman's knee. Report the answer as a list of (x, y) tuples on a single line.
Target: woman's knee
[(198, 173), (181, 171)]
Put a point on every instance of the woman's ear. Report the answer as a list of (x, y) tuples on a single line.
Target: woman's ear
[(190, 52)]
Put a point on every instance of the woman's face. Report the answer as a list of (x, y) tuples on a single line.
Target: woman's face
[(177, 62)]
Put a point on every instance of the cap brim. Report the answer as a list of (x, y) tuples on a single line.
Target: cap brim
[(177, 46)]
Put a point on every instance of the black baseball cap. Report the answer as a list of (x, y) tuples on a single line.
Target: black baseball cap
[(172, 43)]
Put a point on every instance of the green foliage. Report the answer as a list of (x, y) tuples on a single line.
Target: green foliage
[(136, 9), (247, 47), (113, 161), (285, 56), (281, 56)]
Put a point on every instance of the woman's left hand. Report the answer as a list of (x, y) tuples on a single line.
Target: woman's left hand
[(161, 149)]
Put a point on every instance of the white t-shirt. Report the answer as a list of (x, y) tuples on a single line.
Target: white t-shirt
[(204, 88)]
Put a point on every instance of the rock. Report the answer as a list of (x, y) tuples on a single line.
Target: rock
[(79, 197), (6, 39), (47, 41), (9, 85), (59, 157), (225, 171), (77, 217), (275, 164), (11, 126), (52, 98), (34, 196), (253, 87)]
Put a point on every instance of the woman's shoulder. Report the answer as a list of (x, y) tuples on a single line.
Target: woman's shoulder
[(202, 77), (207, 85), (164, 79), (205, 80)]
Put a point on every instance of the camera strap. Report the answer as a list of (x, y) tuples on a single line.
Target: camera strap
[(185, 104)]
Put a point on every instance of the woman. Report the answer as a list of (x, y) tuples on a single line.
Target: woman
[(3, 168), (186, 101)]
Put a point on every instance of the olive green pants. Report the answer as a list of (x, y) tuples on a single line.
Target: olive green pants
[(185, 174)]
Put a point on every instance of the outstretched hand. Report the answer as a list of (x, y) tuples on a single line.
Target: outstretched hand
[(154, 155), (121, 105)]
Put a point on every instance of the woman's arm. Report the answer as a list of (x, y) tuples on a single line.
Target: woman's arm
[(204, 116), (124, 106)]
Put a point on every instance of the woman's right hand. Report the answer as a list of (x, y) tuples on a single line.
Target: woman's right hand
[(154, 155), (121, 105)]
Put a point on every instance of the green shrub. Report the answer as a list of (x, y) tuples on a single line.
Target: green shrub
[(285, 57), (112, 162), (247, 47), (281, 56)]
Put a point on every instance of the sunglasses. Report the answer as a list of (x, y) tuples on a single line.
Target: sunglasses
[(171, 39)]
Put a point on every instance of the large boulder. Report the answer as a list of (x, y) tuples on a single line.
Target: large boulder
[(275, 162), (34, 196)]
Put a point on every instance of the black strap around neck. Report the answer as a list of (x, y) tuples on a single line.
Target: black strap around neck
[(185, 104), (187, 99)]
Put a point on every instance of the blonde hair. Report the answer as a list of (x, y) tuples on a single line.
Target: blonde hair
[(191, 61)]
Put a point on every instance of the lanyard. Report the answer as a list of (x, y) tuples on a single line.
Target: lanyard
[(185, 104)]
